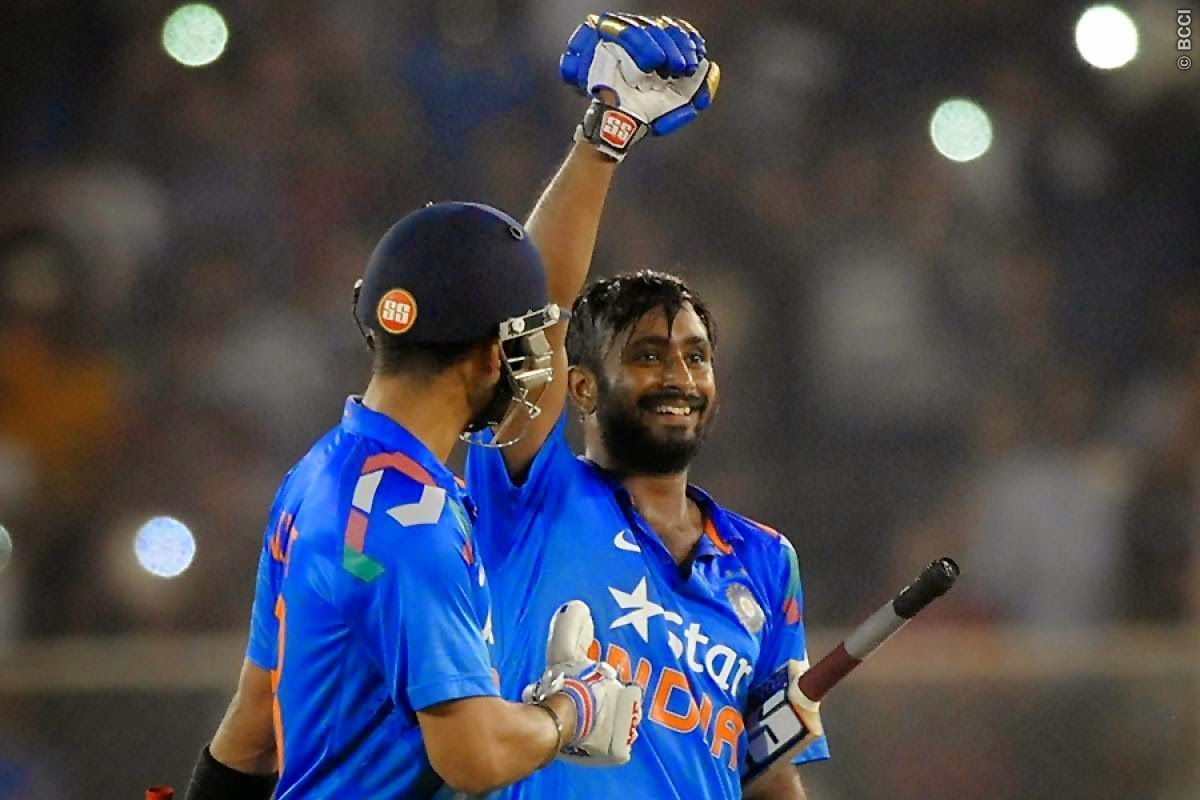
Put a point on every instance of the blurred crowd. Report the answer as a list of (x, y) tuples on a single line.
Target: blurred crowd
[(997, 360)]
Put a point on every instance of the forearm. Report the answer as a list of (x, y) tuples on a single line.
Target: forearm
[(245, 739), (566, 219), (526, 738), (783, 783), (478, 744)]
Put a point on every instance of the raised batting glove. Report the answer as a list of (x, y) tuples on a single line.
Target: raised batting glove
[(607, 711), (657, 67)]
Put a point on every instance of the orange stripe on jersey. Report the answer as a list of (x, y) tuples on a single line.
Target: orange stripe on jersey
[(400, 463), (766, 528), (791, 610), (711, 531), (356, 530), (276, 677), (462, 484)]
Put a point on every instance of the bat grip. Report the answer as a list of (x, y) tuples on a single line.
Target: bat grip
[(825, 674)]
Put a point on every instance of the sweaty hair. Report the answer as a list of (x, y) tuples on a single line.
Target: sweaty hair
[(612, 305)]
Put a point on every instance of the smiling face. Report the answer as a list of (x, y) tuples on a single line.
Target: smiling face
[(655, 396)]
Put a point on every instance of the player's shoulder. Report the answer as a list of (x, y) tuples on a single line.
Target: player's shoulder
[(754, 535), (394, 486)]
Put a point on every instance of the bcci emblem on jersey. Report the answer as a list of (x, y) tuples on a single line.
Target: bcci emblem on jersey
[(746, 607)]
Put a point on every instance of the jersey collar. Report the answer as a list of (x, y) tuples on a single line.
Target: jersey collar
[(362, 421), (719, 531)]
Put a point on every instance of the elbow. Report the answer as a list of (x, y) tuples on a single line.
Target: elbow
[(473, 771), (473, 775)]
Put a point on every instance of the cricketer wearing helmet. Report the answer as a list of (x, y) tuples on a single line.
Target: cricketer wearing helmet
[(368, 671), (695, 603)]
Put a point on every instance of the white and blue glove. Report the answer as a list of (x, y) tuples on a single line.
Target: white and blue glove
[(657, 67), (607, 711)]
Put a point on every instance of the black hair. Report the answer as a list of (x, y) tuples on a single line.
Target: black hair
[(395, 356), (612, 305)]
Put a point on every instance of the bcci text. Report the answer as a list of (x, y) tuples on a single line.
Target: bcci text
[(1183, 37)]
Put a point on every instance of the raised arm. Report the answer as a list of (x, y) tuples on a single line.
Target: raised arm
[(644, 76), (564, 223)]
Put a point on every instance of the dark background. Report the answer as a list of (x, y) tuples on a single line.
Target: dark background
[(997, 360)]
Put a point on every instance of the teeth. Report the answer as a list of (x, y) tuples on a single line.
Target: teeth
[(678, 412)]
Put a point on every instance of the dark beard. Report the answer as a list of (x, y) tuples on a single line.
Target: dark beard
[(494, 411), (633, 447)]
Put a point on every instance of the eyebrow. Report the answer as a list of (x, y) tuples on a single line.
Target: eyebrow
[(662, 341)]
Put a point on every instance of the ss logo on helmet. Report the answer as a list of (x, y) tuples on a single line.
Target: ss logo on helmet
[(397, 311)]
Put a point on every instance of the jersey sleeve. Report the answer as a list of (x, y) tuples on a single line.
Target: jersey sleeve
[(262, 648), (429, 615), (264, 626), (785, 637), (506, 507)]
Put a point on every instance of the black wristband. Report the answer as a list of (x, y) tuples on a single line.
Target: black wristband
[(212, 780), (611, 130)]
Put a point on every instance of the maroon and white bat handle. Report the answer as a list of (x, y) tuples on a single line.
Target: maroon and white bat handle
[(933, 582)]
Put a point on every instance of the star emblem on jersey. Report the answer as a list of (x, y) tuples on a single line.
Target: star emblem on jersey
[(640, 609), (624, 541), (748, 611)]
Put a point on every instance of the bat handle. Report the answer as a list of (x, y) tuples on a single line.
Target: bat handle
[(825, 674)]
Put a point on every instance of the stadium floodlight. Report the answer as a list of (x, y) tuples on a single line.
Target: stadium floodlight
[(195, 35), (164, 546), (1106, 37), (960, 129)]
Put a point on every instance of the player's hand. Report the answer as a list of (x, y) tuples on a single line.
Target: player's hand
[(808, 711), (607, 710), (657, 69)]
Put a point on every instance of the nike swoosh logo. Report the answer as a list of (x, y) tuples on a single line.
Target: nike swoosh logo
[(624, 541)]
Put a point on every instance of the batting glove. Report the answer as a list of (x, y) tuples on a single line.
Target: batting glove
[(607, 711), (657, 67), (783, 725), (808, 711)]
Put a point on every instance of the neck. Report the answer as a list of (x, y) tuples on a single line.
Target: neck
[(663, 502), (434, 410)]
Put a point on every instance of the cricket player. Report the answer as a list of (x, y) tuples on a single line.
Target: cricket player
[(368, 671), (695, 603)]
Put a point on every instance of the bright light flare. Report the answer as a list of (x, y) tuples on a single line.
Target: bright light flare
[(195, 35), (164, 547), (1106, 37), (961, 130)]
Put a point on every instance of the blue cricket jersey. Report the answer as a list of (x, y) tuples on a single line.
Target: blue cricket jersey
[(371, 605), (696, 642)]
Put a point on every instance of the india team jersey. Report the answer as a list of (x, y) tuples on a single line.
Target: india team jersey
[(696, 641), (370, 605)]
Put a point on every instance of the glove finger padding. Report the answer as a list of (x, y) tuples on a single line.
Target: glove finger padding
[(613, 732), (607, 711), (571, 634), (656, 68)]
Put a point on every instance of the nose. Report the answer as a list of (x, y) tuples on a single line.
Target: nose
[(676, 374)]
